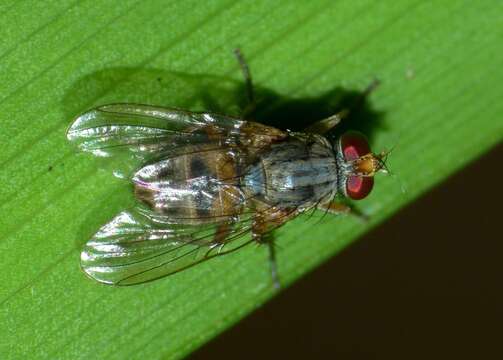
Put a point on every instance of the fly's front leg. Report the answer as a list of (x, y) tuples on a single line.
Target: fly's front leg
[(263, 223), (337, 208), (325, 125), (370, 89), (250, 96)]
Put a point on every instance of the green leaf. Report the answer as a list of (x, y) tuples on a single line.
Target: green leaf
[(439, 103)]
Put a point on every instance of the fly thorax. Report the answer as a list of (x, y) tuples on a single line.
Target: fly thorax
[(295, 172)]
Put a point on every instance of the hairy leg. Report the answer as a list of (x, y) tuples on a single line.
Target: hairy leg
[(250, 96)]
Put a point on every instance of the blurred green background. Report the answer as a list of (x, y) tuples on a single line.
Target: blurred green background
[(440, 67)]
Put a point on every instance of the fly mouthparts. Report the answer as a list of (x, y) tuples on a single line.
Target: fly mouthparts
[(368, 165)]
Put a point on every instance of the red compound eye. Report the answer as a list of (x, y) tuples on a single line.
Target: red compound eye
[(354, 145), (358, 187)]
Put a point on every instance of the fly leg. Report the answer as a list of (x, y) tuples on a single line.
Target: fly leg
[(273, 264), (325, 125), (337, 208), (268, 239), (222, 232), (250, 96), (361, 99), (263, 223)]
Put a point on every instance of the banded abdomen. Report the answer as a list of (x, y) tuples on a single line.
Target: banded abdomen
[(199, 185)]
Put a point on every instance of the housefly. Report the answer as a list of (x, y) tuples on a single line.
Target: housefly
[(205, 182)]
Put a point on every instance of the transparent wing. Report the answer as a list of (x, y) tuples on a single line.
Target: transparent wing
[(144, 131), (193, 188), (139, 246)]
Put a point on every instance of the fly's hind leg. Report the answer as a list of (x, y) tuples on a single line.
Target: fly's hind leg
[(325, 125), (250, 96)]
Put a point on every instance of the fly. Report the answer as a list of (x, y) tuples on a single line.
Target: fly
[(204, 181)]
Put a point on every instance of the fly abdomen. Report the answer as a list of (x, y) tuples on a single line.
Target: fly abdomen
[(197, 186)]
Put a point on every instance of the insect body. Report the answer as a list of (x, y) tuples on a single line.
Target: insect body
[(204, 181)]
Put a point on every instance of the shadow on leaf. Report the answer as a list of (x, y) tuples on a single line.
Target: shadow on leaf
[(212, 93)]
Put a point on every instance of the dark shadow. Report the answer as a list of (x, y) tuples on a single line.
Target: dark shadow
[(198, 92), (298, 113), (425, 284), (152, 86)]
